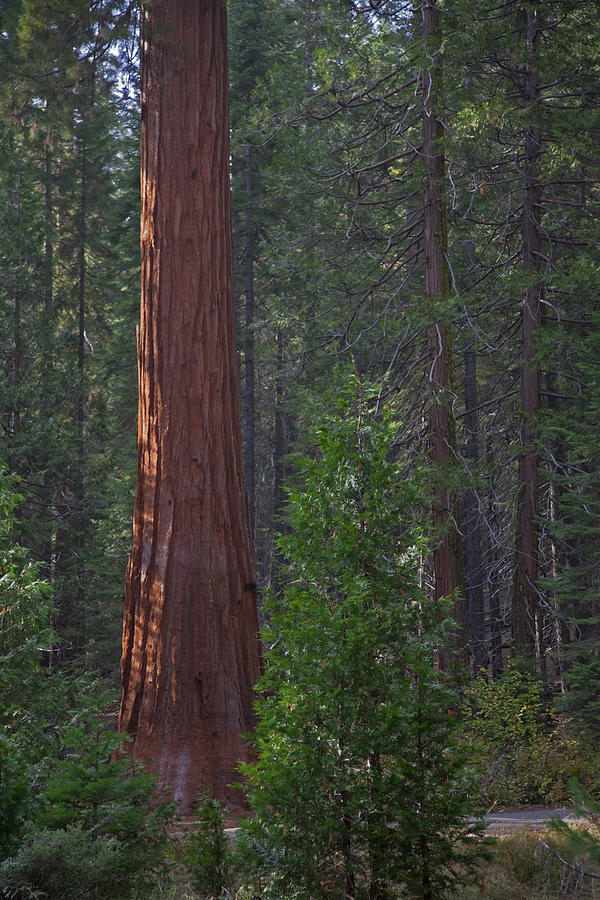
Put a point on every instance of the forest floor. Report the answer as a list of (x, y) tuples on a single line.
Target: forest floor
[(525, 866)]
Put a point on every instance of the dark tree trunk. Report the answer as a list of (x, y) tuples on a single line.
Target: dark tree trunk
[(527, 556), (15, 419), (447, 553), (47, 350), (190, 636), (492, 591), (79, 522), (81, 264), (471, 524), (558, 561), (69, 538), (48, 241), (249, 410), (280, 448), (17, 357)]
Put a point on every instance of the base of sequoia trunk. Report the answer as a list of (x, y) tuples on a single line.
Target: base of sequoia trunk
[(186, 771)]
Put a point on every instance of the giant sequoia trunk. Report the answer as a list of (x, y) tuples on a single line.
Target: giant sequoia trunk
[(190, 642), (447, 552)]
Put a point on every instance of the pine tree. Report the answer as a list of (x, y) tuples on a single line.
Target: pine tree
[(359, 786), (59, 139)]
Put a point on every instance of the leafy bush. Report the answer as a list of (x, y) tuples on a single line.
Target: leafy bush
[(360, 787), (14, 795), (25, 610), (525, 757), (65, 863), (25, 606)]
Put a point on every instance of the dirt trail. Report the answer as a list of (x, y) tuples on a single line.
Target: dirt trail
[(504, 821), (536, 818)]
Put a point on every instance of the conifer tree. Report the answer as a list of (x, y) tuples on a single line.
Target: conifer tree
[(359, 787), (527, 82), (56, 123)]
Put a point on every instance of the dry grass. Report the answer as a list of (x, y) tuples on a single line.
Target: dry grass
[(528, 866), (523, 868)]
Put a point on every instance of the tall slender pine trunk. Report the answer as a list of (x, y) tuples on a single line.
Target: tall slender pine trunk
[(447, 552), (17, 337), (471, 523), (190, 637), (80, 524), (524, 606), (47, 350)]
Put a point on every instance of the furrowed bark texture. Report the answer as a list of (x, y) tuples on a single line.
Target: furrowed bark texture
[(447, 552), (190, 636), (249, 379)]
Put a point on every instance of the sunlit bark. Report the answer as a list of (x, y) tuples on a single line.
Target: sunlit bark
[(190, 642)]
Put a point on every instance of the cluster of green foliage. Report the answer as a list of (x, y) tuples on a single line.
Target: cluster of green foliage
[(526, 756), (93, 826), (361, 785), (24, 632), (74, 820), (207, 854), (96, 828)]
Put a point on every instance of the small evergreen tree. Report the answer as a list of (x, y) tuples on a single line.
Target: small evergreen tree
[(359, 786), (25, 610), (207, 854), (98, 829), (582, 843)]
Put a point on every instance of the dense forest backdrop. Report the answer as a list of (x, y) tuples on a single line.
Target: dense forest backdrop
[(328, 180), (363, 134)]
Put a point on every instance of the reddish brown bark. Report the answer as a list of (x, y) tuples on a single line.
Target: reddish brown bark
[(447, 554), (190, 635), (527, 560)]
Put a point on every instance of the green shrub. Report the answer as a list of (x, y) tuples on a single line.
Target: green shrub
[(525, 757), (25, 611), (98, 826), (510, 709), (207, 855), (66, 864), (361, 785), (14, 795)]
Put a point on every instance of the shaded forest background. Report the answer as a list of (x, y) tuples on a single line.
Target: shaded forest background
[(327, 179), (329, 110)]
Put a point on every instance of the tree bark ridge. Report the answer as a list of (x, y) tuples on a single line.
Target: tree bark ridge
[(190, 638)]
